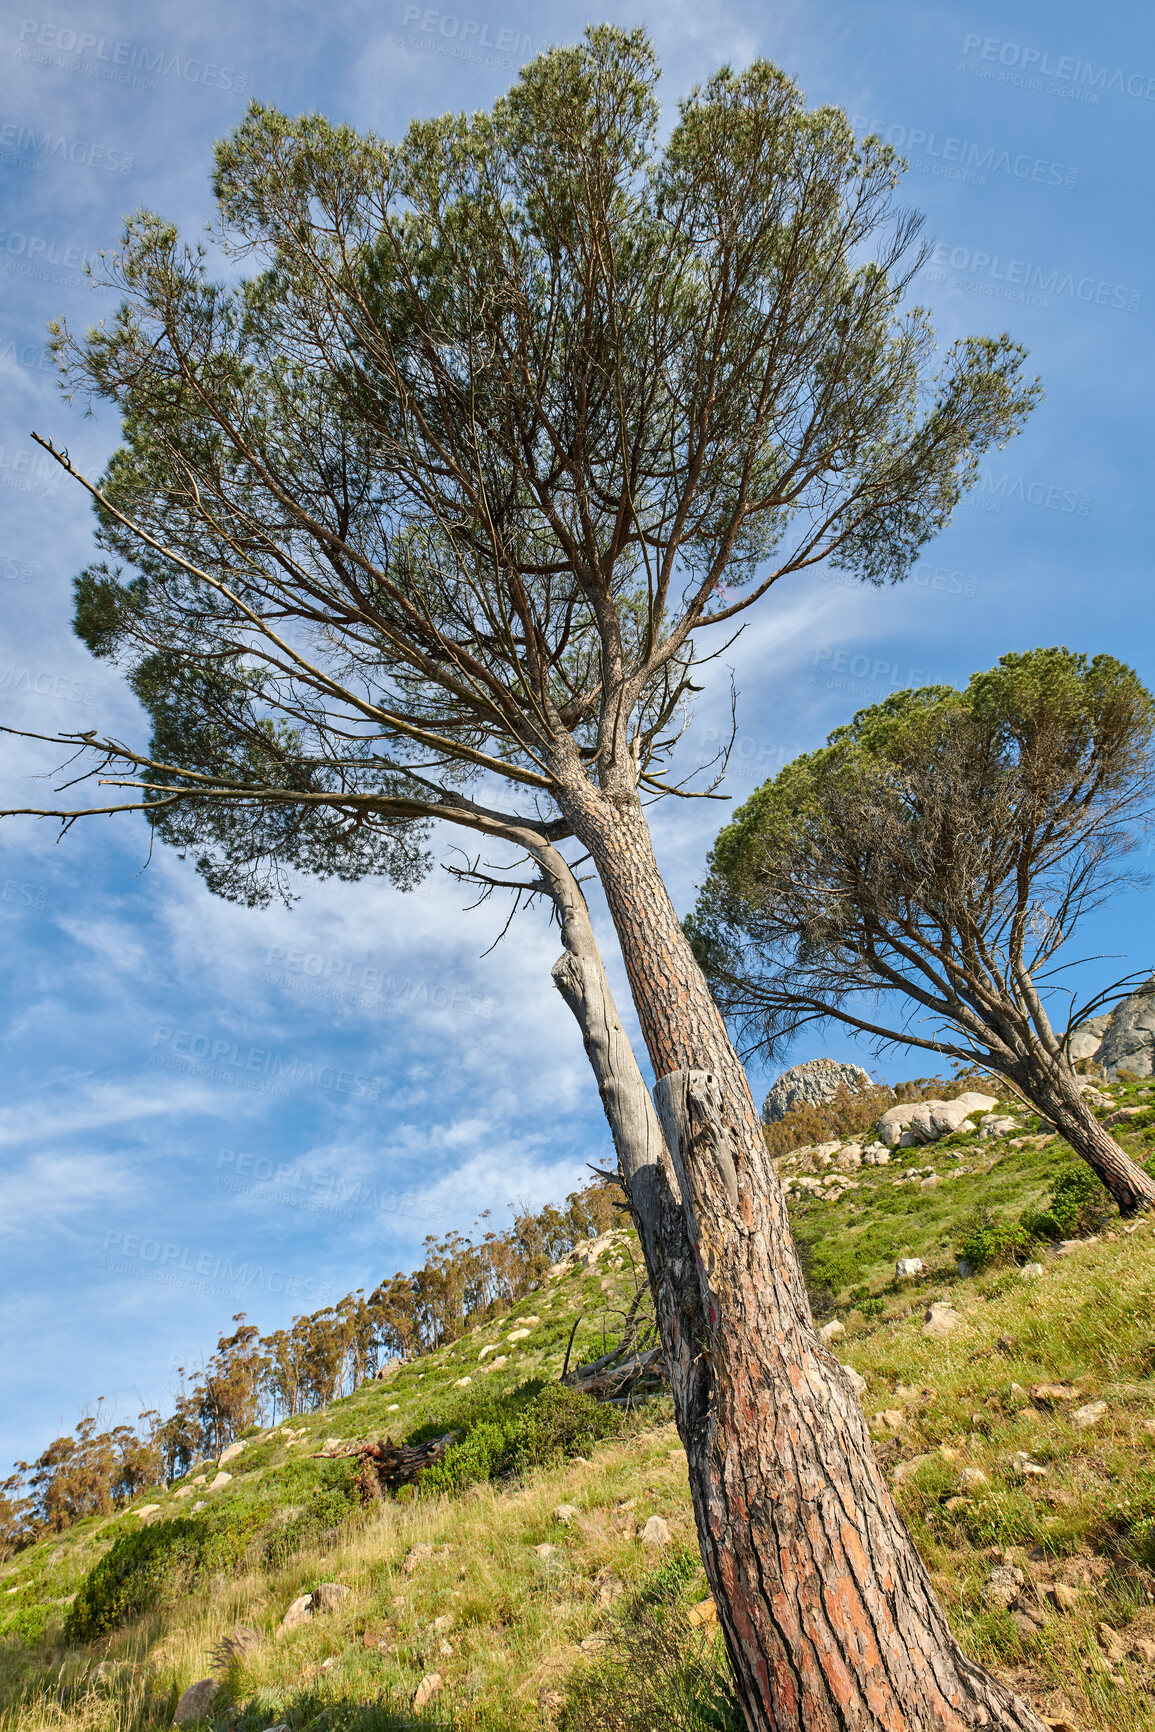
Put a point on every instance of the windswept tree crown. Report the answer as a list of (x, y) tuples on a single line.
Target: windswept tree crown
[(944, 846), (442, 492)]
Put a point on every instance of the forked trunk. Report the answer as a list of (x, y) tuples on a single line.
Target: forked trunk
[(829, 1618), (1054, 1089)]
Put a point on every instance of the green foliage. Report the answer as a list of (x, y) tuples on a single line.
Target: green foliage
[(155, 1565), (668, 1583), (1078, 1205), (532, 1426), (661, 1672), (986, 1239), (26, 1624)]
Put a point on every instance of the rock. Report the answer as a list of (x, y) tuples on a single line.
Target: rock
[(146, 1510), (1025, 1468), (890, 1419), (184, 1491), (231, 1453), (907, 1469), (461, 1382), (591, 1643), (1111, 1643), (941, 1320), (812, 1084), (329, 1596), (1049, 1393), (196, 1702), (1066, 1246), (1031, 1271), (965, 1269), (704, 1615), (1003, 1585), (1129, 1040), (565, 1513), (953, 1503), (655, 1533), (850, 1160), (1122, 1114), (909, 1266), (1143, 1651), (972, 1479), (427, 1689), (545, 1552), (1085, 1417), (915, 1122), (1086, 1040), (415, 1557), (828, 1333), (1062, 1597), (492, 1348), (298, 1613), (856, 1381), (518, 1335), (219, 1480)]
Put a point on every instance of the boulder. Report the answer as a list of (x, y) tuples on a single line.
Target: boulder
[(427, 1689), (1088, 1037), (655, 1533), (831, 1331), (941, 1320), (1129, 1041), (812, 1084), (298, 1613), (909, 1266), (565, 1513), (856, 1381), (231, 1453), (329, 1596), (1004, 1585), (196, 1702), (914, 1122), (1086, 1417)]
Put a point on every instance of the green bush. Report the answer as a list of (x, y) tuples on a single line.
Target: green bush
[(25, 1624), (141, 1570), (659, 1671), (667, 1584), (986, 1240), (1079, 1204), (560, 1422)]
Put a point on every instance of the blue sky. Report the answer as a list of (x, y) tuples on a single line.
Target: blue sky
[(208, 1110)]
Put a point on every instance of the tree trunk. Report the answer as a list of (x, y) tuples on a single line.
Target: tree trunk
[(828, 1615), (1054, 1089)]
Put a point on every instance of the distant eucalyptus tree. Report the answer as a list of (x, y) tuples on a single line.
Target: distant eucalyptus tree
[(420, 522)]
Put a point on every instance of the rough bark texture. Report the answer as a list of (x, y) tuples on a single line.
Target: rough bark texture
[(1056, 1094), (829, 1617)]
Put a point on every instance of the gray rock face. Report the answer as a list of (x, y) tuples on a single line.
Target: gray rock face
[(1129, 1043), (1088, 1037), (812, 1085)]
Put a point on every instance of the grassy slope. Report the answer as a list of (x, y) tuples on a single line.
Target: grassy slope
[(517, 1618)]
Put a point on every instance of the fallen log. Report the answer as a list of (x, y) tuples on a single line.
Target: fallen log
[(387, 1466)]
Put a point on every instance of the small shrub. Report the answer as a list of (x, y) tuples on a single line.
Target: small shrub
[(986, 1240), (667, 1584), (1079, 1204), (141, 1569), (559, 1423), (872, 1307)]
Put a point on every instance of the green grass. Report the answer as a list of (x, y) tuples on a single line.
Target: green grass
[(103, 1626)]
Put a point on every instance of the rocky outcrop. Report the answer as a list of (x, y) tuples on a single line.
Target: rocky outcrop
[(1129, 1040), (812, 1085), (1088, 1037), (915, 1122)]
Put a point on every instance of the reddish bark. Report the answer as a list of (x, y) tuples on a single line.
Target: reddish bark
[(828, 1614)]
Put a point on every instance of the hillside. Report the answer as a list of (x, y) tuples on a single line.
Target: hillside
[(526, 1584)]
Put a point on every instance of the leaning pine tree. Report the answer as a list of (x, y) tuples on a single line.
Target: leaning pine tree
[(920, 877), (421, 522)]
